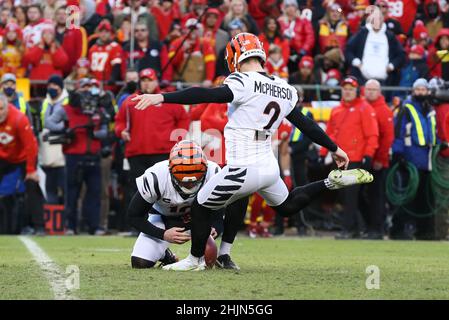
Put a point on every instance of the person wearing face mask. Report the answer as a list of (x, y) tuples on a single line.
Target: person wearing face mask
[(50, 155), (8, 86), (85, 128), (415, 137), (131, 86)]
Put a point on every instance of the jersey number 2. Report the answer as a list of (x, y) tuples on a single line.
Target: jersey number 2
[(277, 110)]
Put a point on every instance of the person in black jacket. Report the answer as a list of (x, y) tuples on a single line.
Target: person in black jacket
[(375, 53)]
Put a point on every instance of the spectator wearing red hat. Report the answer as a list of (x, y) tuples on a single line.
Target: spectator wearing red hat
[(238, 9), (193, 58), (165, 13), (148, 135), (143, 14), (32, 33), (356, 14), (217, 37), (420, 34), (105, 57), (415, 68), (438, 55), (12, 51), (353, 126), (72, 38), (331, 79), (147, 53), (333, 30), (298, 31), (305, 75), (272, 35), (275, 64), (46, 58)]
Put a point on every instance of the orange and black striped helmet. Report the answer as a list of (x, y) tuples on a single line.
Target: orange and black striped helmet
[(243, 46), (188, 167)]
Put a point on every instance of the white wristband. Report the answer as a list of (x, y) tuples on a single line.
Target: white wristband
[(286, 173)]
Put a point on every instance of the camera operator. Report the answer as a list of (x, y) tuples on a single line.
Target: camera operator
[(414, 139), (440, 94), (84, 125)]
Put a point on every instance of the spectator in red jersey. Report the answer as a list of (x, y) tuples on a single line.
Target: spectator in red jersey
[(142, 13), (212, 32), (73, 38), (46, 58), (272, 35), (165, 15), (18, 151), (105, 57), (32, 33), (12, 51), (404, 11), (438, 63), (392, 24), (260, 10), (333, 30), (195, 11), (381, 161), (193, 58), (238, 9), (299, 31), (147, 53), (275, 64), (356, 16), (148, 135), (20, 16)]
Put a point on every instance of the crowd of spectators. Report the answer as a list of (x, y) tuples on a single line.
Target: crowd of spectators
[(115, 49)]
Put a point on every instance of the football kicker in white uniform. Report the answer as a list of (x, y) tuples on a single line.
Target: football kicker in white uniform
[(259, 102)]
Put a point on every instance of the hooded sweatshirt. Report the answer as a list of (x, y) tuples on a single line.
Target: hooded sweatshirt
[(375, 55)]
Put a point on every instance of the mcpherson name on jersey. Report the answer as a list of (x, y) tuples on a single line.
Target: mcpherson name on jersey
[(273, 90)]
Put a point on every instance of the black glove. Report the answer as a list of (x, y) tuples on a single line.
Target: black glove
[(366, 162), (70, 134)]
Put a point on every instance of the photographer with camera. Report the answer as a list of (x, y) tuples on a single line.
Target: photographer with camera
[(84, 126), (415, 136)]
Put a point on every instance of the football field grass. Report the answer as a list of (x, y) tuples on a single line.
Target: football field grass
[(276, 268)]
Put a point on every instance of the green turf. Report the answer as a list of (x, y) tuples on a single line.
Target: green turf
[(284, 268), (20, 276)]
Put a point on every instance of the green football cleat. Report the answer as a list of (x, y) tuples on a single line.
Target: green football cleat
[(343, 178)]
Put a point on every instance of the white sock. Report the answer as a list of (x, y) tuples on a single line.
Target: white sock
[(194, 259), (225, 248)]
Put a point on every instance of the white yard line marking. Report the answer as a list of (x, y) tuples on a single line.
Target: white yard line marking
[(51, 270)]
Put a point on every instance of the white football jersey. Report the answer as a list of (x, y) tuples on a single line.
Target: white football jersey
[(156, 187), (260, 104)]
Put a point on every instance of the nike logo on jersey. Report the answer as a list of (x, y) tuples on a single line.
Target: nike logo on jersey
[(272, 90)]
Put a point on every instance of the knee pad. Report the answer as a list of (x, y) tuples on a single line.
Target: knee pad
[(139, 263)]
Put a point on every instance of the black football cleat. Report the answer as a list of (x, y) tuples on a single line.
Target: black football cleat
[(169, 258), (225, 262)]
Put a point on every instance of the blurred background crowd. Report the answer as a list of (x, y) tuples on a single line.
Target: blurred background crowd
[(72, 144)]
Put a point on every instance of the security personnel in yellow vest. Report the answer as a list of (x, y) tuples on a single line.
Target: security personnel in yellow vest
[(9, 88), (51, 156), (415, 136), (302, 151)]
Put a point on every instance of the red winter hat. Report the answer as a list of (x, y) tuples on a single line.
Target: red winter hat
[(105, 25), (306, 62), (420, 31), (351, 81), (73, 3), (213, 11), (333, 74), (148, 74), (418, 49), (14, 27)]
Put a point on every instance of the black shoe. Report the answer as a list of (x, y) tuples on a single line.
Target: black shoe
[(224, 262), (169, 258)]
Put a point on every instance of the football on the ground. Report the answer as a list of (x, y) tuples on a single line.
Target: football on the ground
[(210, 254)]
